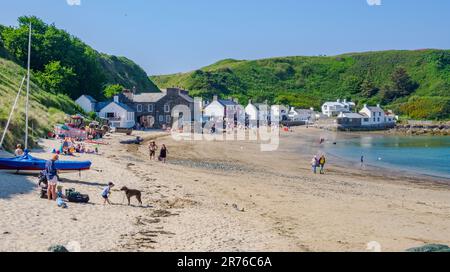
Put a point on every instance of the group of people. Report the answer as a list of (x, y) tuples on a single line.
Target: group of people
[(69, 147), (152, 148), (318, 163)]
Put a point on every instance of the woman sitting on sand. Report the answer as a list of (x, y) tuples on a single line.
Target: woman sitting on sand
[(19, 151), (163, 153)]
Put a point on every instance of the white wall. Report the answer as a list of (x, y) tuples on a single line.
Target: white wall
[(85, 104), (215, 109), (126, 118), (252, 112)]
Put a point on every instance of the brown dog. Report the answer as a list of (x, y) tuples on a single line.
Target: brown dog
[(130, 193)]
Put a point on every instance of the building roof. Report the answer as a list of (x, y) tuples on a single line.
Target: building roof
[(100, 105), (148, 97), (90, 98), (351, 115), (375, 109), (227, 102), (187, 98)]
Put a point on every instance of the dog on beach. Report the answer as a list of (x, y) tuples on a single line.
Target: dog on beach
[(129, 193)]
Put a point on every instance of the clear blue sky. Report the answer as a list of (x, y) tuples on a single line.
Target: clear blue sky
[(168, 36)]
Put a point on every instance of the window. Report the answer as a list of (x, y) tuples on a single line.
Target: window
[(110, 115), (374, 119), (379, 120), (380, 113), (139, 108), (168, 119), (366, 120), (150, 108), (161, 118), (166, 108)]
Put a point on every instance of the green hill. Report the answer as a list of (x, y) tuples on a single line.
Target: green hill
[(413, 83), (46, 108), (64, 64)]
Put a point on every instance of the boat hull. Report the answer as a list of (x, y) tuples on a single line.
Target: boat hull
[(28, 163)]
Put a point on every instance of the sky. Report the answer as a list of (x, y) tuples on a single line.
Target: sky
[(171, 36)]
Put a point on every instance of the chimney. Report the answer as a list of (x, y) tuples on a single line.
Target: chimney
[(250, 101), (345, 100), (339, 101), (235, 100), (378, 105), (365, 105), (215, 98), (116, 98)]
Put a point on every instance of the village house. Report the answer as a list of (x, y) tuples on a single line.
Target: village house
[(118, 114), (150, 110), (87, 103), (302, 115), (219, 109), (256, 112), (367, 118), (333, 109)]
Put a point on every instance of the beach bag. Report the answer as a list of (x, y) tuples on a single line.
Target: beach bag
[(76, 197)]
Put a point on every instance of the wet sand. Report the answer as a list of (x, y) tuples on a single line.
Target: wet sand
[(228, 196)]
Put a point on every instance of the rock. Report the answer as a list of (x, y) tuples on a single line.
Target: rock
[(58, 249), (430, 248)]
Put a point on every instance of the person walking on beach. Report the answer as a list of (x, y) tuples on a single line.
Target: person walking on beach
[(163, 153), (152, 147), (322, 162), (106, 193), (314, 164), (52, 177)]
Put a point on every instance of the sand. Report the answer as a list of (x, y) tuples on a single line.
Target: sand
[(216, 196)]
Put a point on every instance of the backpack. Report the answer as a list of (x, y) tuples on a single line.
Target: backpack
[(76, 197)]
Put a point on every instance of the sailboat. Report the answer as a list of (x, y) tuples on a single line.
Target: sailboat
[(27, 162)]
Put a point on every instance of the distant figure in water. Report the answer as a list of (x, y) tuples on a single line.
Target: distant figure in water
[(322, 162), (19, 150), (362, 161), (322, 140)]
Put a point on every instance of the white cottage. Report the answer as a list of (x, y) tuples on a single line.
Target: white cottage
[(118, 114), (332, 109), (303, 115), (87, 103), (374, 116), (219, 109)]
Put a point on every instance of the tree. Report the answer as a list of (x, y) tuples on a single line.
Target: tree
[(402, 83), (368, 88), (112, 90), (352, 84), (57, 78)]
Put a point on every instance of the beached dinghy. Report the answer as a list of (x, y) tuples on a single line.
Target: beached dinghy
[(27, 162)]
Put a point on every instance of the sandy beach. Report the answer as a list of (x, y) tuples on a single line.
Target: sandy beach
[(226, 196)]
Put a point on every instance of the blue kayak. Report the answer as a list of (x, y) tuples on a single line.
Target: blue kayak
[(29, 163)]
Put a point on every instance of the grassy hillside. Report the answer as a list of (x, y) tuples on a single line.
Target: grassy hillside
[(122, 71), (64, 64), (310, 81), (45, 108)]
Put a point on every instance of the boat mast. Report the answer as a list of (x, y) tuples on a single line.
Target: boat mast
[(12, 111), (28, 90)]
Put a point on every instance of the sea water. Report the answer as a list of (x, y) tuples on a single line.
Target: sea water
[(429, 155)]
